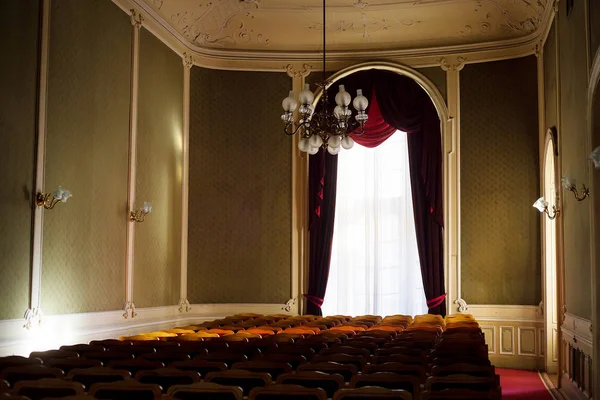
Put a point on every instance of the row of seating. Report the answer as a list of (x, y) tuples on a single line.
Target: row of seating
[(423, 357)]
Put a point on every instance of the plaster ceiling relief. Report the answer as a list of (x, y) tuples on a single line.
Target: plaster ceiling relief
[(294, 25)]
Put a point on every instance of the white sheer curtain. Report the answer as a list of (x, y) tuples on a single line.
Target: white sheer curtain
[(375, 262)]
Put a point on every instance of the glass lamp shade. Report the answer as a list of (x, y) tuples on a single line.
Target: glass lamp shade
[(360, 102), (339, 112), (147, 207), (313, 150), (65, 196), (315, 141), (347, 142), (333, 150), (342, 98), (568, 183), (595, 157), (304, 145), (58, 193), (541, 204), (306, 96), (334, 141), (289, 104)]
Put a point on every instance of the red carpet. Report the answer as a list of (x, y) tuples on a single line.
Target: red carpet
[(520, 384)]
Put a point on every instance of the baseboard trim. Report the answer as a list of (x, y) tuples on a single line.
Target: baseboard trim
[(57, 330)]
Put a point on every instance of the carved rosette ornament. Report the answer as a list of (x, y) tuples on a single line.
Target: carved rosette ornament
[(136, 18), (188, 60), (462, 305), (184, 305), (298, 73), (129, 309), (33, 317), (452, 64)]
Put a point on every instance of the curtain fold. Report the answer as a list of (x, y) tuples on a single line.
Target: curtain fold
[(322, 194)]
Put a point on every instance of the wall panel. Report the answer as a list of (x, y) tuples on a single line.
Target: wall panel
[(576, 217), (594, 23), (240, 189), (438, 77), (157, 266), (86, 152), (550, 81), (18, 116), (500, 231)]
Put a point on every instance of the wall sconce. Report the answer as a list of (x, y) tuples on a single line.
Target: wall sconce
[(571, 185), (595, 157), (140, 215), (49, 200), (542, 205)]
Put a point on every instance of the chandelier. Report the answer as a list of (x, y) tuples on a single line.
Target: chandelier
[(322, 128)]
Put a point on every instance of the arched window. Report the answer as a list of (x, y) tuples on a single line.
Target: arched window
[(375, 261)]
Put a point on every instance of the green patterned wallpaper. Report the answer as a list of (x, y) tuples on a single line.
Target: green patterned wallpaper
[(550, 86), (157, 265), (575, 216), (87, 152), (18, 116), (594, 23), (499, 172), (240, 188), (438, 77)]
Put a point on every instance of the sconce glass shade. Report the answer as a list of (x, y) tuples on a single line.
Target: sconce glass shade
[(595, 157), (568, 183), (147, 207), (61, 194), (541, 204)]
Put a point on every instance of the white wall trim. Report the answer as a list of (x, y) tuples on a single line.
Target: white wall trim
[(57, 330), (136, 22), (506, 313), (184, 304), (40, 168)]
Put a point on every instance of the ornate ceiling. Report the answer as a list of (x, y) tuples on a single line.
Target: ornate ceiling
[(352, 25)]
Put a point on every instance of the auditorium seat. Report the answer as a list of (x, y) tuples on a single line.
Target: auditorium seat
[(126, 390), (388, 380), (67, 364), (397, 368), (135, 365), (89, 376), (203, 367), (18, 361), (460, 394), (82, 348), (271, 367), (28, 373), (313, 379), (247, 380), (347, 371), (167, 377), (372, 392), (48, 387), (286, 392)]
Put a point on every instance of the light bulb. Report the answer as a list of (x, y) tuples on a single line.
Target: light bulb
[(304, 145), (347, 142), (360, 102), (333, 150), (334, 141), (306, 96), (342, 98), (315, 141), (289, 104)]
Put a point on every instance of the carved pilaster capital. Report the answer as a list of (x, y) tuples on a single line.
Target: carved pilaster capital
[(136, 18), (538, 50), (188, 60), (540, 309), (129, 310), (555, 5), (462, 305), (33, 318), (303, 71), (289, 304), (452, 64), (184, 305)]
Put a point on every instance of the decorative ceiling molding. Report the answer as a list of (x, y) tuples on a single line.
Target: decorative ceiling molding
[(236, 39)]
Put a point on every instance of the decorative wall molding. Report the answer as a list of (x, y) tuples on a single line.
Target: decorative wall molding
[(289, 304), (505, 313), (129, 310), (136, 18), (184, 305), (577, 332), (462, 305), (453, 63), (295, 71)]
